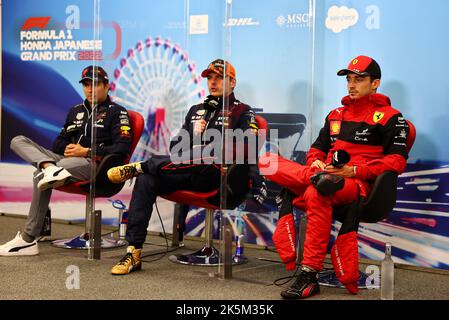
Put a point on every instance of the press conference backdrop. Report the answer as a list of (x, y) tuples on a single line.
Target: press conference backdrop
[(286, 54)]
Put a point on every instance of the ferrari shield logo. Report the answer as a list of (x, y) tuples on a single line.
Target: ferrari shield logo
[(378, 116)]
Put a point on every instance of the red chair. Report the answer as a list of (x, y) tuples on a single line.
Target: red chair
[(382, 198), (209, 255), (374, 208), (103, 187)]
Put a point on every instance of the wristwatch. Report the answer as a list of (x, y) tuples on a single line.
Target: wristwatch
[(89, 151)]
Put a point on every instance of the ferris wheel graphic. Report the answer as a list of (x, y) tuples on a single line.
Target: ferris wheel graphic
[(158, 80)]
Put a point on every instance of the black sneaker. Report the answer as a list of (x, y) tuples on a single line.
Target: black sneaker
[(284, 201), (306, 285), (327, 183)]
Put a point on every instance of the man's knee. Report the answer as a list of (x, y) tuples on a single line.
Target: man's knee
[(311, 193), (17, 140), (73, 163), (146, 181)]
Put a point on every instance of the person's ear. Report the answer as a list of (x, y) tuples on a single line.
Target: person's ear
[(233, 83), (376, 84)]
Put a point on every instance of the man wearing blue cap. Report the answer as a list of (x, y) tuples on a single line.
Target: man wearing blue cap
[(70, 158)]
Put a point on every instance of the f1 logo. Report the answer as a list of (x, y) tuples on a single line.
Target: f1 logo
[(36, 22)]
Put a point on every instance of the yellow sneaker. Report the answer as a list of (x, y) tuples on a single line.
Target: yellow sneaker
[(122, 173), (129, 263)]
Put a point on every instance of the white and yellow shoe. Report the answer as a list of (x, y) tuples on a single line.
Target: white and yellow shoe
[(122, 173), (129, 263)]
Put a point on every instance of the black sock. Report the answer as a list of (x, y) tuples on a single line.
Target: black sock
[(144, 167), (136, 245)]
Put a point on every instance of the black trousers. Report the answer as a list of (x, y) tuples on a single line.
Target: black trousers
[(161, 177)]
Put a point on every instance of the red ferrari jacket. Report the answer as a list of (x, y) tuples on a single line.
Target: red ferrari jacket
[(374, 134), (370, 130)]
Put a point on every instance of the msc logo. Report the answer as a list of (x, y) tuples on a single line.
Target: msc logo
[(240, 22), (294, 20)]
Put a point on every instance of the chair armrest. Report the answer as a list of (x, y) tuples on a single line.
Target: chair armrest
[(382, 198), (379, 203)]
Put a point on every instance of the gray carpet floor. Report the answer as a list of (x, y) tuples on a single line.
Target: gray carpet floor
[(46, 275)]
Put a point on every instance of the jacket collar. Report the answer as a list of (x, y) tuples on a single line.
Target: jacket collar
[(230, 100), (373, 100), (102, 105)]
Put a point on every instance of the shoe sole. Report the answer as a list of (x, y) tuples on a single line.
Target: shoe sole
[(327, 187), (116, 181), (139, 267), (12, 254), (54, 184), (313, 292)]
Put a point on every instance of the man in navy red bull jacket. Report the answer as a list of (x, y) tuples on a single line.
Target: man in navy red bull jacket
[(71, 156), (374, 135), (161, 174)]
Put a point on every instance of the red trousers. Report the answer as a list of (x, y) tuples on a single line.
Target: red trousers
[(318, 208)]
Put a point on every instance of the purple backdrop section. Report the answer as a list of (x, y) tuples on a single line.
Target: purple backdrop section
[(35, 102)]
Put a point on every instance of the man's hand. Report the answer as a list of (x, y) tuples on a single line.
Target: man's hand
[(345, 171), (75, 150), (199, 127), (318, 164)]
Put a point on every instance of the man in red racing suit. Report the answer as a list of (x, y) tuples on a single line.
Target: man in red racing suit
[(374, 134)]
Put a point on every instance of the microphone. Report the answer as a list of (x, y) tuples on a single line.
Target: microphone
[(340, 158), (210, 105)]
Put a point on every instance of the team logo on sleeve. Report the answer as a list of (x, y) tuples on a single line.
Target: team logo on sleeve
[(252, 123), (125, 131), (335, 127), (254, 128), (403, 134), (378, 116)]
